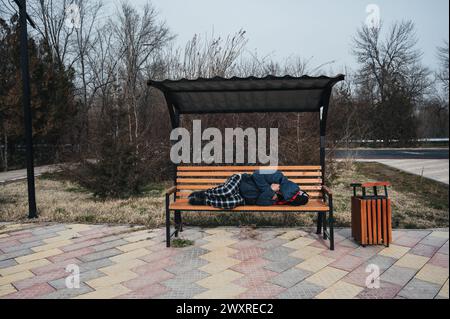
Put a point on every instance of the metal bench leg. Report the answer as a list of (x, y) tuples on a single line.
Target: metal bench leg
[(319, 222), (324, 225), (331, 222), (167, 221), (178, 223)]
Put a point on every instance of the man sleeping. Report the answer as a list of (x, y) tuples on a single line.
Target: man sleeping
[(264, 189)]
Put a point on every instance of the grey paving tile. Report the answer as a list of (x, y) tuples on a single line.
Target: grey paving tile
[(398, 275), (187, 266), (186, 278), (67, 293), (101, 254), (418, 289), (278, 253), (23, 246), (48, 229), (303, 290), (434, 241), (383, 262), (15, 254), (96, 264), (273, 243), (290, 277), (7, 263), (189, 253), (38, 237), (283, 264), (110, 244), (185, 292), (84, 276)]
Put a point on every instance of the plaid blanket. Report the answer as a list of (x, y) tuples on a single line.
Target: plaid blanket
[(225, 196)]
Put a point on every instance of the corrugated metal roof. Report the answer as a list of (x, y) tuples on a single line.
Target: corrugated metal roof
[(251, 94)]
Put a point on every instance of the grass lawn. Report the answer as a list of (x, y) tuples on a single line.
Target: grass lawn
[(417, 202)]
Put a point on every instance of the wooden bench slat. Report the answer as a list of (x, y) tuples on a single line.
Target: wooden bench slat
[(229, 173), (252, 168), (299, 181), (199, 187), (313, 205), (311, 194)]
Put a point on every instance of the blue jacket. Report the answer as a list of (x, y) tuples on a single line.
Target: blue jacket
[(256, 188)]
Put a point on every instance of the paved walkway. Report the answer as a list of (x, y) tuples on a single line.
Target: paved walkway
[(20, 174), (124, 262), (436, 169)]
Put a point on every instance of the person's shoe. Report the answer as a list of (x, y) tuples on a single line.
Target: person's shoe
[(197, 198), (196, 201)]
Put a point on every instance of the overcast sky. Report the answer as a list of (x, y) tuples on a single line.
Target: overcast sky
[(317, 29)]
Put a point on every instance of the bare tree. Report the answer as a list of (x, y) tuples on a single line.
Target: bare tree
[(391, 77)]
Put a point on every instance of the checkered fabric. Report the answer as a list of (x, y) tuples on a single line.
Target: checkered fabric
[(225, 196)]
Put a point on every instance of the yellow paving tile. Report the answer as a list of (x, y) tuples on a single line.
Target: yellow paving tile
[(38, 255), (299, 243), (139, 235), (228, 291), (79, 227), (24, 266), (68, 233), (444, 290), (6, 289), (219, 280), (434, 274), (220, 266), (326, 277), (130, 255), (105, 292), (219, 243), (441, 234), (292, 234), (307, 252), (412, 261), (8, 279), (50, 246), (394, 251), (340, 290), (58, 239), (315, 263), (136, 245), (213, 231), (11, 227), (3, 235), (111, 280), (126, 265)]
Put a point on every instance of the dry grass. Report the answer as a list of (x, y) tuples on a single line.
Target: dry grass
[(417, 203)]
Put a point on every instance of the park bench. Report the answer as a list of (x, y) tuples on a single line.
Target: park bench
[(192, 178)]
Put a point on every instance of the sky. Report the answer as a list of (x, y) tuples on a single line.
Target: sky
[(320, 30)]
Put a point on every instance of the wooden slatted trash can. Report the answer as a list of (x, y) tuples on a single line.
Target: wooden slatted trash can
[(371, 214)]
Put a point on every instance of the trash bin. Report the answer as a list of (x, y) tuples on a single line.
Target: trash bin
[(371, 214)]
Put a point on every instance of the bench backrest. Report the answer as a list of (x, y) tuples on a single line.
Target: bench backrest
[(191, 178)]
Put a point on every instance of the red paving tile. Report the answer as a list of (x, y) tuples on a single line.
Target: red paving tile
[(54, 267), (31, 292), (71, 254), (249, 253), (348, 262), (255, 278), (385, 291), (264, 291), (159, 255), (408, 241), (149, 268), (147, 279), (423, 250), (250, 265), (440, 260), (27, 283), (149, 291)]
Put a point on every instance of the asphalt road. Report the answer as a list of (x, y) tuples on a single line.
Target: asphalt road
[(414, 153)]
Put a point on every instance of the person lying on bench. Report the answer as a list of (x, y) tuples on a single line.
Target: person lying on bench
[(264, 189)]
